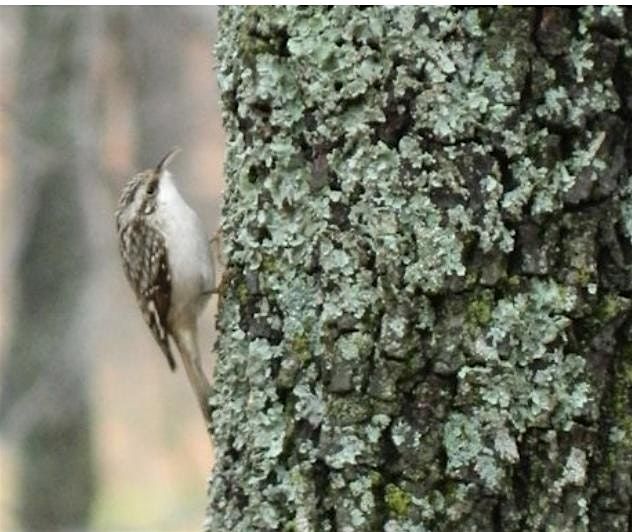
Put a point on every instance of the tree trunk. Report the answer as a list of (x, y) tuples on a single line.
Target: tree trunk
[(425, 322), (45, 385)]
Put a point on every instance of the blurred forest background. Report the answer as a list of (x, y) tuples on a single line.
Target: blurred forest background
[(95, 431)]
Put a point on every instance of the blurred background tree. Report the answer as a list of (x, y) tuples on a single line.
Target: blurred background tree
[(89, 96), (45, 379)]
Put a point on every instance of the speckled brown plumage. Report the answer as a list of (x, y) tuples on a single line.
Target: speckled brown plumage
[(147, 269)]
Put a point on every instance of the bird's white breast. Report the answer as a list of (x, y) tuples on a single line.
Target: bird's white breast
[(188, 250)]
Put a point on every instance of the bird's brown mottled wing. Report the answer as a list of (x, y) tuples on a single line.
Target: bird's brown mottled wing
[(145, 262)]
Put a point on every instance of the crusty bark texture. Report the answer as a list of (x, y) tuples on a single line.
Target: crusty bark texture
[(425, 317)]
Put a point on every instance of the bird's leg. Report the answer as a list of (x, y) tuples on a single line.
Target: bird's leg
[(216, 256), (216, 247)]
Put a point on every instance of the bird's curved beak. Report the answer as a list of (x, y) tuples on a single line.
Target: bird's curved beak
[(164, 162)]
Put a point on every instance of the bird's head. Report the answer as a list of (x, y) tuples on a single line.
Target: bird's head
[(140, 194)]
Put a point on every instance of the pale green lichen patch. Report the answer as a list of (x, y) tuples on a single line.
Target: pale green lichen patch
[(533, 384)]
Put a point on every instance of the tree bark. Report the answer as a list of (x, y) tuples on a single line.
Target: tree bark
[(425, 321)]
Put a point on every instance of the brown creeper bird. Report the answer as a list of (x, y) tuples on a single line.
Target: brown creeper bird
[(168, 262)]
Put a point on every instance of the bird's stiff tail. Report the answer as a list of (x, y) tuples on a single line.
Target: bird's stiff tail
[(190, 354)]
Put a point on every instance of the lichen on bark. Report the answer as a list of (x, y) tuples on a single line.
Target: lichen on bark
[(425, 319)]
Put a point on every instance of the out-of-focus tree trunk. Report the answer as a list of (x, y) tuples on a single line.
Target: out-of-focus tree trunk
[(152, 55), (153, 45), (46, 374), (425, 322)]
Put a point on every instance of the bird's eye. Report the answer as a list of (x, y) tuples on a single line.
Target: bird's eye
[(152, 187)]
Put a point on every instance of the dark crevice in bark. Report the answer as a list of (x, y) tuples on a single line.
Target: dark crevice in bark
[(537, 21), (507, 178), (339, 215), (282, 38), (526, 94), (346, 102), (375, 332), (245, 125), (388, 456), (514, 264), (315, 153), (334, 182), (607, 29), (497, 517), (322, 489), (520, 480), (230, 101), (421, 376), (598, 465), (584, 205), (397, 121), (622, 82), (625, 243), (566, 133)]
